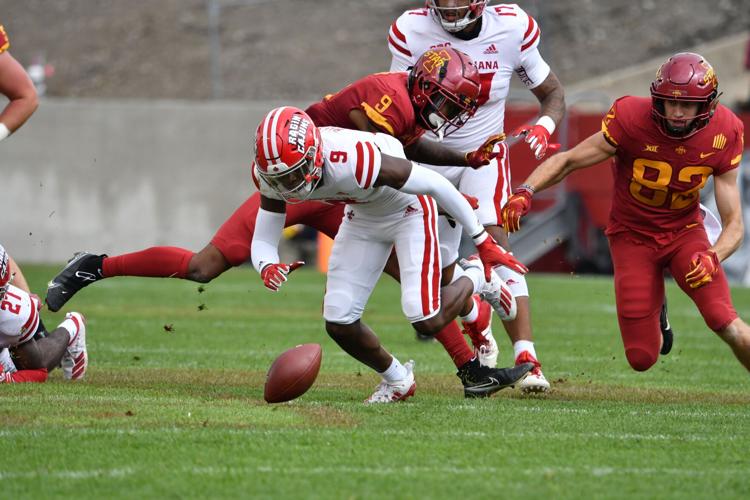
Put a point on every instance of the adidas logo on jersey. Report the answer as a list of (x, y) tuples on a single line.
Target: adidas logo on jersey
[(490, 50), (410, 210)]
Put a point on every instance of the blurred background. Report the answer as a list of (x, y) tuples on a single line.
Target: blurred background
[(143, 135)]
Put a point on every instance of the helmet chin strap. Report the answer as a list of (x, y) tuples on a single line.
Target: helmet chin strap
[(437, 122)]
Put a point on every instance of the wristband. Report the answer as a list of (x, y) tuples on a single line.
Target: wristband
[(4, 132), (548, 123), (526, 187)]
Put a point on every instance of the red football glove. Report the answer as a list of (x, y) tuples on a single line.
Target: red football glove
[(274, 275), (484, 154), (494, 255), (538, 139), (703, 266), (516, 207)]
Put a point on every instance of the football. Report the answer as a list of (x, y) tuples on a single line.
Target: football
[(292, 373)]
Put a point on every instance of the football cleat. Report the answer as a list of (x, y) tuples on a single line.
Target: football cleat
[(480, 333), (667, 336), (495, 291), (482, 381), (82, 270), (396, 391), (535, 382), (76, 359)]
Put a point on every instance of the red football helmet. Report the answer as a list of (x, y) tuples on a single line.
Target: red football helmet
[(685, 77), (447, 14), (5, 275), (288, 154), (444, 85)]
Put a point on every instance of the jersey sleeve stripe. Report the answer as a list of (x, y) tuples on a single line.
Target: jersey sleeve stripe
[(370, 165), (397, 33), (29, 328), (360, 163), (531, 42), (736, 159), (397, 47), (529, 28)]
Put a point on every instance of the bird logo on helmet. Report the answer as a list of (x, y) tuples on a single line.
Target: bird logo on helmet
[(444, 86), (288, 155), (450, 16), (685, 77), (5, 275)]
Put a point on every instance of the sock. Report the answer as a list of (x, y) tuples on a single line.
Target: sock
[(395, 373), (155, 262), (524, 345), (39, 375), (454, 343), (474, 313), (71, 325), (476, 276)]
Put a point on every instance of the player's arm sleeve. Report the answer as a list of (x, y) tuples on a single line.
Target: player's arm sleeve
[(425, 181), (265, 246), (402, 58), (531, 68)]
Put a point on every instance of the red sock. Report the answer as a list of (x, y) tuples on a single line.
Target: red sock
[(155, 262), (453, 341), (21, 376)]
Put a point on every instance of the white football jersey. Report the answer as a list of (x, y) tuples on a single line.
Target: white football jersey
[(506, 44), (351, 167), (19, 317)]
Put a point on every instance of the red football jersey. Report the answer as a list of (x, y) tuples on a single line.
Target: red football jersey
[(383, 97), (658, 179), (4, 42)]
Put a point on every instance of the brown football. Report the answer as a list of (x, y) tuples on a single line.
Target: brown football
[(292, 373)]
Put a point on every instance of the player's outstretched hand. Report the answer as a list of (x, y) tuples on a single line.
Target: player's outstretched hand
[(703, 266), (484, 154), (274, 275), (537, 137), (516, 207), (494, 255)]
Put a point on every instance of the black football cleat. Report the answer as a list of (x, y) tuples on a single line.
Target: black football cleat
[(82, 270), (482, 381), (666, 330)]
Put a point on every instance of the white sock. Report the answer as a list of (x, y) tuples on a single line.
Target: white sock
[(474, 313), (71, 328), (395, 373), (476, 275), (524, 345)]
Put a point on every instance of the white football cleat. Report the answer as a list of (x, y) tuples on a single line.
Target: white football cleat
[(397, 391), (535, 381), (76, 359), (495, 291)]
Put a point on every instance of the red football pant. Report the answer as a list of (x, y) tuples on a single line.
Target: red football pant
[(233, 240), (639, 264), (234, 237)]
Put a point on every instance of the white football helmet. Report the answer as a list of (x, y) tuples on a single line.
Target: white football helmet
[(453, 16)]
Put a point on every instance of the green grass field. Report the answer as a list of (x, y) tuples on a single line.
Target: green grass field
[(180, 414)]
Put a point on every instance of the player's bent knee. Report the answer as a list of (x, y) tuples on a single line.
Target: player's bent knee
[(431, 326), (338, 308), (640, 359)]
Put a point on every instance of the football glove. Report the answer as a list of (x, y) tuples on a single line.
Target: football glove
[(484, 154), (516, 207), (494, 255), (703, 266), (537, 138), (274, 275)]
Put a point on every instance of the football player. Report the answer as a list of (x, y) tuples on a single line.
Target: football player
[(23, 357), (391, 203), (17, 87), (664, 150), (501, 40), (439, 94)]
